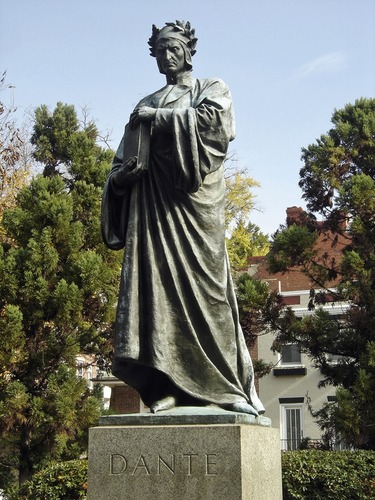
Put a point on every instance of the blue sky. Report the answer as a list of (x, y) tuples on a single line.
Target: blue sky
[(288, 63)]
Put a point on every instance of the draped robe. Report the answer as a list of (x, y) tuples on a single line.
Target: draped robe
[(177, 320)]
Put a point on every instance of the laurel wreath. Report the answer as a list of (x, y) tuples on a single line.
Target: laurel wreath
[(181, 26)]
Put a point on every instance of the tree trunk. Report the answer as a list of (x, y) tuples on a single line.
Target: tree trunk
[(25, 462)]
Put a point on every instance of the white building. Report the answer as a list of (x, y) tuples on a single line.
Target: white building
[(293, 383)]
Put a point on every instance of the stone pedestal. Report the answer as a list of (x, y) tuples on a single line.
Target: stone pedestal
[(184, 454)]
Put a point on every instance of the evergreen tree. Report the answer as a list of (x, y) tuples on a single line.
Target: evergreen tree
[(58, 287), (338, 183), (258, 309)]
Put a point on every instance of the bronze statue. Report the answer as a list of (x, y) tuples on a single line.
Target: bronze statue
[(178, 340)]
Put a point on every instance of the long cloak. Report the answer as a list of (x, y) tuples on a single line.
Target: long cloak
[(177, 319)]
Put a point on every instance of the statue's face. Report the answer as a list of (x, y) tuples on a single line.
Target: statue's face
[(170, 57)]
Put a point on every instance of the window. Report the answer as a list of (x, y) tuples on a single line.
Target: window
[(290, 354), (291, 426)]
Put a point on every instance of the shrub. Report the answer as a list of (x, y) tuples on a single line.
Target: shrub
[(316, 474), (58, 481), (307, 475)]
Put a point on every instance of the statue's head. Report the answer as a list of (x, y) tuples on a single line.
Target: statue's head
[(179, 34)]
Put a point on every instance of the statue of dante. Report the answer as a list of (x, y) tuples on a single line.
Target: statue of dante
[(178, 340)]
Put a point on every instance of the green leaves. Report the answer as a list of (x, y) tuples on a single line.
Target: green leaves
[(337, 255), (243, 238), (245, 241), (293, 246), (346, 150), (67, 301), (59, 480), (58, 287), (317, 474), (13, 341), (257, 308), (239, 198), (53, 136), (251, 293)]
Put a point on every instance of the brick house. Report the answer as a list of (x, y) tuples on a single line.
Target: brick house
[(121, 397), (293, 380)]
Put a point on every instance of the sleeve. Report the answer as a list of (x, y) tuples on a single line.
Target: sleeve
[(115, 208)]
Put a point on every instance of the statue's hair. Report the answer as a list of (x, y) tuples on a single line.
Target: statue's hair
[(181, 28)]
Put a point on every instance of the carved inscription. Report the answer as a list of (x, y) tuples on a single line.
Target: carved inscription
[(188, 464)]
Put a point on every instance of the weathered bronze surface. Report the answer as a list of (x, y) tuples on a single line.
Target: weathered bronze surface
[(178, 340)]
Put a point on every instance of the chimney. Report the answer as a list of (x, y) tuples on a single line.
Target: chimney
[(293, 215)]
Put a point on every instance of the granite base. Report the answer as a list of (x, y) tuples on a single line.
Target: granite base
[(182, 457)]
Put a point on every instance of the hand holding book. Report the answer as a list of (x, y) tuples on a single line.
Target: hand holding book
[(142, 114), (128, 173)]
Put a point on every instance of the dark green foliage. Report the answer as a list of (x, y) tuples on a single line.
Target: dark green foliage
[(293, 246), (336, 475), (257, 305), (346, 151), (338, 183), (58, 288), (55, 136), (57, 481)]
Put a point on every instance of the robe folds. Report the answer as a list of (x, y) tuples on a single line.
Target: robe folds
[(177, 320)]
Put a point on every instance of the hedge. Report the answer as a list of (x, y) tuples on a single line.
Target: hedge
[(307, 475), (317, 474)]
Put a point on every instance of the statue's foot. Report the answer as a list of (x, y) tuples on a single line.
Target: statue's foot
[(163, 404), (242, 407)]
